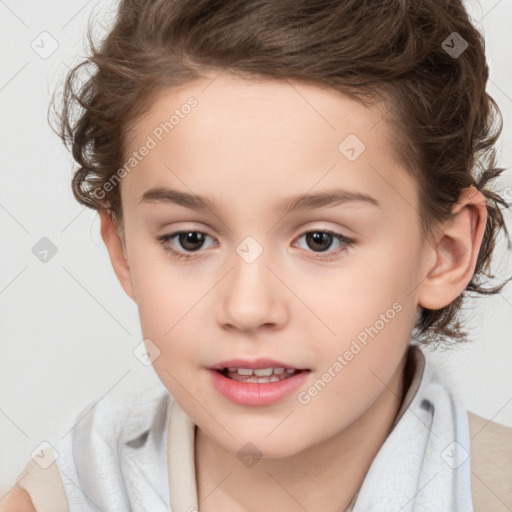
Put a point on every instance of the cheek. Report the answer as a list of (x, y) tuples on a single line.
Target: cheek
[(161, 289), (371, 312), (171, 317), (160, 306), (374, 283)]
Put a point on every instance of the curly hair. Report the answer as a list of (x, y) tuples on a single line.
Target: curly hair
[(395, 52)]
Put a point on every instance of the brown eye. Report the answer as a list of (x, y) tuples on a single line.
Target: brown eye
[(191, 240), (321, 240)]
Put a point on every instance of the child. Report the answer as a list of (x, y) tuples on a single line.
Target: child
[(295, 194)]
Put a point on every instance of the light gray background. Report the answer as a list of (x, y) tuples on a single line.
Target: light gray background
[(67, 328)]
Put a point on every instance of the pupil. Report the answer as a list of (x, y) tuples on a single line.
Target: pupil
[(192, 237), (317, 236)]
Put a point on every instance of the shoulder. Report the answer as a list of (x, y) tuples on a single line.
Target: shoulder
[(38, 486), (113, 419), (17, 500), (491, 464), (119, 420), (120, 417)]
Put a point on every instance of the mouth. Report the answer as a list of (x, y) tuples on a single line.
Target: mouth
[(259, 375), (261, 385)]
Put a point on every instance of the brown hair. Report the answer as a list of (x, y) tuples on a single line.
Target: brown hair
[(395, 52)]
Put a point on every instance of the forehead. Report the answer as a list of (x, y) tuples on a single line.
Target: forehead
[(266, 136)]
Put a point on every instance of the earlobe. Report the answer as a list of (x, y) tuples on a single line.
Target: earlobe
[(116, 252), (456, 251)]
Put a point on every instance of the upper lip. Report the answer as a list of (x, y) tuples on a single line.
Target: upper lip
[(253, 364)]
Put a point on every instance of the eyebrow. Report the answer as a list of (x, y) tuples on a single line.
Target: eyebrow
[(293, 203)]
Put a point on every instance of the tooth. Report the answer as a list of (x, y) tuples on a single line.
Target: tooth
[(232, 369), (290, 370), (245, 371), (263, 372), (278, 371), (274, 378)]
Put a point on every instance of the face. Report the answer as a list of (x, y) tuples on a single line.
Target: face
[(329, 287)]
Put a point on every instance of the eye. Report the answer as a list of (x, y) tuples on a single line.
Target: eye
[(189, 240), (322, 240), (192, 241)]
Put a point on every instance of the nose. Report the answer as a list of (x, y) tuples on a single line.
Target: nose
[(251, 297)]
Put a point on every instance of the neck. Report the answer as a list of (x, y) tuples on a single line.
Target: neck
[(325, 477)]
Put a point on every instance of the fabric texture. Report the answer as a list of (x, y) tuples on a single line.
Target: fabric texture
[(424, 463), (138, 454), (115, 458)]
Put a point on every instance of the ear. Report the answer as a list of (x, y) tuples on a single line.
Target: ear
[(456, 251), (117, 253)]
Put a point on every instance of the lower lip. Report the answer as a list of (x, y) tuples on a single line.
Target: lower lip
[(253, 393)]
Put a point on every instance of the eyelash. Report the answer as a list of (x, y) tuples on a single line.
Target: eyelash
[(348, 243)]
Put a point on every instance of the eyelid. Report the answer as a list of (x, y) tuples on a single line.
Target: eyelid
[(347, 242), (328, 255)]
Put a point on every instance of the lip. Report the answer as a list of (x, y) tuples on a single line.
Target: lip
[(253, 393), (261, 362)]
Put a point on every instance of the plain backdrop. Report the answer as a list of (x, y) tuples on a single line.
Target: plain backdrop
[(68, 330)]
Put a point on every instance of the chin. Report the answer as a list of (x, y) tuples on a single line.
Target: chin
[(246, 447)]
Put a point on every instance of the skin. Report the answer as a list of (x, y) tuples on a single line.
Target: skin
[(248, 145), (17, 499)]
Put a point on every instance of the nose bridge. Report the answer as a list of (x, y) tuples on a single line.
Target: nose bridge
[(250, 272), (250, 293), (251, 249)]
